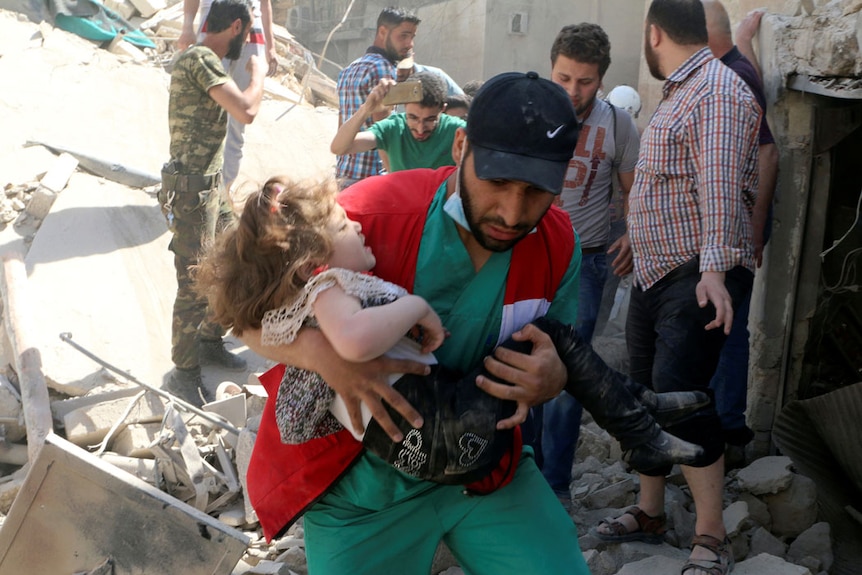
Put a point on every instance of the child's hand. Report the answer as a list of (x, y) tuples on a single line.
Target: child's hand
[(432, 333)]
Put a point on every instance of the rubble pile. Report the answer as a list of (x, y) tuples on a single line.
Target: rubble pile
[(199, 457)]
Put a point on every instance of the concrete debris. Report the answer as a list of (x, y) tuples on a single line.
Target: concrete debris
[(103, 216)]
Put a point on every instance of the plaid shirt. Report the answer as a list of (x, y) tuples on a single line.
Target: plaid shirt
[(696, 177), (354, 84)]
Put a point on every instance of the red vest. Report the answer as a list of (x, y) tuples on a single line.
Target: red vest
[(285, 480)]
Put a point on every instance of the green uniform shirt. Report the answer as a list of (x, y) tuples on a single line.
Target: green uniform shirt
[(406, 152), (197, 123), (470, 305)]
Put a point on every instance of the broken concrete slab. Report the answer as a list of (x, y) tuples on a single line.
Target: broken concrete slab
[(112, 288), (89, 425), (105, 520), (766, 475)]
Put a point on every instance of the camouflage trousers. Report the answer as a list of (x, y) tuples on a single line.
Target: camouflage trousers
[(196, 218)]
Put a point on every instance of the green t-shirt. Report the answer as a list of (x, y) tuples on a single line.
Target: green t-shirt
[(406, 152), (197, 123)]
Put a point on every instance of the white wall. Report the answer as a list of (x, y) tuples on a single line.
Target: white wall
[(470, 38), (451, 37)]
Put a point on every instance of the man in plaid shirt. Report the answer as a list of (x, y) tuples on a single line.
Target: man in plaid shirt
[(689, 224), (396, 29)]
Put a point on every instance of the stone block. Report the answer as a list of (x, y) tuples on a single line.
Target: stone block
[(122, 7), (757, 510), (11, 412), (736, 518), (795, 509), (135, 439), (762, 541), (89, 425), (149, 7), (40, 202), (59, 174), (814, 542), (764, 564), (766, 475), (127, 50), (614, 495)]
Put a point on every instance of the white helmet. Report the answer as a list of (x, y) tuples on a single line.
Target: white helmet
[(627, 98)]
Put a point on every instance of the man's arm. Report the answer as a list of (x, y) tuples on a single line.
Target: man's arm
[(365, 382), (189, 35), (268, 37), (242, 105), (767, 166), (349, 139), (745, 33), (624, 262)]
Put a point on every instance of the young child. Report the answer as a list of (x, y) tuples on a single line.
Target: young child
[(295, 260)]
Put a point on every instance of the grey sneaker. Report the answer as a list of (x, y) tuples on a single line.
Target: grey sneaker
[(212, 352), (186, 384)]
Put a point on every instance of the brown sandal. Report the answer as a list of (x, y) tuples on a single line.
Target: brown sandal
[(650, 529), (723, 562)]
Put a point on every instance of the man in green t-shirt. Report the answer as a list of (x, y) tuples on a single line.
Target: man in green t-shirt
[(419, 137), (201, 97)]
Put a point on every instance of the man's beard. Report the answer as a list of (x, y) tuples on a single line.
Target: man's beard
[(583, 108), (234, 50), (652, 62), (391, 53), (490, 244)]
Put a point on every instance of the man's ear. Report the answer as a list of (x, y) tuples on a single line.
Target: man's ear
[(458, 145), (656, 35), (382, 31)]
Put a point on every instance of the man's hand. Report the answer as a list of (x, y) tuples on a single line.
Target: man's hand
[(368, 383), (623, 263), (272, 62), (711, 289), (186, 39), (535, 378), (374, 101), (748, 27)]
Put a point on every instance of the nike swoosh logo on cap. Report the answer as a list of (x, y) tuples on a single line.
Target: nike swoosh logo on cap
[(555, 132)]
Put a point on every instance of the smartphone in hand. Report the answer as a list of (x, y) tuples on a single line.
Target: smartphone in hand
[(404, 93)]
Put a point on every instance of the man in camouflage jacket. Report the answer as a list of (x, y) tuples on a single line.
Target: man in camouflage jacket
[(202, 95)]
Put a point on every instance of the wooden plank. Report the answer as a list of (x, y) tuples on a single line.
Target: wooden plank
[(26, 358), (75, 511)]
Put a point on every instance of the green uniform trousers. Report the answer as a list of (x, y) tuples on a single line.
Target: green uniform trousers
[(368, 524), (194, 227)]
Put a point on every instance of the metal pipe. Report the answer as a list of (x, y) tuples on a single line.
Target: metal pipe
[(213, 418)]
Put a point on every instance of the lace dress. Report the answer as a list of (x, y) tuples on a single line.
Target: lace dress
[(303, 400)]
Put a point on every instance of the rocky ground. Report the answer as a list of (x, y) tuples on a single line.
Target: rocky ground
[(97, 259)]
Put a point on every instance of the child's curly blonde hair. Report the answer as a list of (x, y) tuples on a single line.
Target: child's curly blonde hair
[(263, 260)]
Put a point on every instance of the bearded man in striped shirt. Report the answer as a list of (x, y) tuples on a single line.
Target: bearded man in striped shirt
[(689, 224)]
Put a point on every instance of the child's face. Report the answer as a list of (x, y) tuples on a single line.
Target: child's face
[(348, 244)]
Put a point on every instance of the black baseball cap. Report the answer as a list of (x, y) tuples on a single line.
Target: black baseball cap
[(522, 127)]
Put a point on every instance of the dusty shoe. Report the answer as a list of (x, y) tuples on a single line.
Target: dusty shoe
[(671, 407), (186, 384), (661, 451), (214, 353)]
